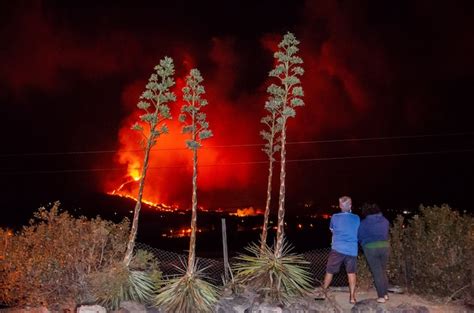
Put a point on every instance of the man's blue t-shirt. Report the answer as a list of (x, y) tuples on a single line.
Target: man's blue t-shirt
[(344, 227)]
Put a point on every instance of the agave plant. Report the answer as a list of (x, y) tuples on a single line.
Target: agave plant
[(137, 282), (187, 293), (277, 279)]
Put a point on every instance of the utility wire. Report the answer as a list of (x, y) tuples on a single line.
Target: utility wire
[(245, 163), (85, 152)]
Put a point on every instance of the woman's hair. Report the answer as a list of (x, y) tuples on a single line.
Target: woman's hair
[(369, 208)]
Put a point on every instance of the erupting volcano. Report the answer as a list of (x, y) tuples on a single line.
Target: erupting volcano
[(225, 166)]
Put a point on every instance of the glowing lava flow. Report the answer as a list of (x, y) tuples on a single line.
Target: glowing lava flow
[(123, 194), (118, 190), (247, 212)]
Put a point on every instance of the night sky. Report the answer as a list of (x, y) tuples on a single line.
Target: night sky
[(402, 72)]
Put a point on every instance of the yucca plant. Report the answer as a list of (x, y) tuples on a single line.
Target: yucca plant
[(187, 293), (277, 279), (137, 282)]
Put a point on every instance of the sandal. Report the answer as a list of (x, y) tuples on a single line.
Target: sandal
[(353, 301), (320, 297)]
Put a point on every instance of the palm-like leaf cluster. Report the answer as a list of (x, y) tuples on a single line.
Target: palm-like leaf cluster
[(120, 284), (278, 279), (137, 282), (187, 293)]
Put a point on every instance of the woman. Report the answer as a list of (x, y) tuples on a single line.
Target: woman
[(373, 237)]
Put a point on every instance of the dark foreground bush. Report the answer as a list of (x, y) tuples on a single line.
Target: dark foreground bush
[(432, 253), (50, 261)]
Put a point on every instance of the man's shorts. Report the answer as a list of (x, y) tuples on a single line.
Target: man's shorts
[(336, 259)]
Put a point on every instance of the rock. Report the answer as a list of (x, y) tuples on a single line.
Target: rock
[(91, 309), (396, 289), (369, 305), (305, 306), (250, 303), (132, 307), (265, 308), (407, 308), (236, 304), (372, 306)]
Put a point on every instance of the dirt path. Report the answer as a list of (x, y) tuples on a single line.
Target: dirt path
[(341, 297)]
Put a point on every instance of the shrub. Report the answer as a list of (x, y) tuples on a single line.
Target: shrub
[(364, 276), (397, 259), (275, 279), (48, 262), (431, 253)]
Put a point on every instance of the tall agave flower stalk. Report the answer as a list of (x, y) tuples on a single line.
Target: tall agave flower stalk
[(272, 145), (196, 125), (287, 95), (154, 102), (190, 292)]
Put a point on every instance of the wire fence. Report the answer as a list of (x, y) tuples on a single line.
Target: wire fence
[(172, 263)]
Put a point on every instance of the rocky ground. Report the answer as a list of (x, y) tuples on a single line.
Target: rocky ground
[(399, 303), (336, 302)]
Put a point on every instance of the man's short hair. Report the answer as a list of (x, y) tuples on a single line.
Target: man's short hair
[(345, 203)]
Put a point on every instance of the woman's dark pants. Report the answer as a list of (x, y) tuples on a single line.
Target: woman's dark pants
[(377, 259)]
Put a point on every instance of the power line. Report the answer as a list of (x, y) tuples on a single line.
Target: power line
[(244, 163), (86, 152), (382, 138)]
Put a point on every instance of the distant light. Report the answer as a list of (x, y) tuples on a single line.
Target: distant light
[(310, 225), (130, 211), (300, 226), (406, 212)]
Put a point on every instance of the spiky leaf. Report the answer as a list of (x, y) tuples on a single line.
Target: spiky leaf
[(187, 293), (277, 279)]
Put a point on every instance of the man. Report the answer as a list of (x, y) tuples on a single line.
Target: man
[(344, 227)]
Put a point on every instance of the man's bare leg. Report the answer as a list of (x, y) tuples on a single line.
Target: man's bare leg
[(352, 286), (327, 281)]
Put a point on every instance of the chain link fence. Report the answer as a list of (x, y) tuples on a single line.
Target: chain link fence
[(172, 263)]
